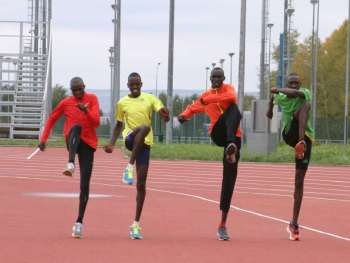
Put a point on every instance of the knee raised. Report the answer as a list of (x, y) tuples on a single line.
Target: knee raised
[(76, 129), (145, 129), (307, 106)]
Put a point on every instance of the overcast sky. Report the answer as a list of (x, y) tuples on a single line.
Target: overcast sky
[(205, 31)]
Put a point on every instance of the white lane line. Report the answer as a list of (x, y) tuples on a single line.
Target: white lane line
[(253, 213), (211, 201), (333, 178), (205, 178), (67, 195), (240, 186)]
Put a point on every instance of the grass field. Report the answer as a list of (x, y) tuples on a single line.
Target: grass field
[(321, 154)]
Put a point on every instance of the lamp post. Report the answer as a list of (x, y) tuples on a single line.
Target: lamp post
[(206, 77), (314, 59), (156, 115), (112, 91), (169, 125), (116, 55), (269, 26), (157, 73), (231, 54), (346, 104), (242, 40), (221, 62), (290, 12)]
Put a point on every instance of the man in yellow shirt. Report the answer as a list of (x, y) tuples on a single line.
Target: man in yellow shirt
[(135, 112)]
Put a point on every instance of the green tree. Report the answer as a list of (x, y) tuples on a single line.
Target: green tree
[(58, 94)]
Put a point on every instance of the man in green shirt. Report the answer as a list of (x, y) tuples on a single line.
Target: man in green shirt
[(295, 103)]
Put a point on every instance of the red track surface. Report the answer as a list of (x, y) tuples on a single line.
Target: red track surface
[(180, 214)]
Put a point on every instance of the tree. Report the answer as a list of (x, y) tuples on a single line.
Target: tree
[(247, 104), (58, 94), (330, 79)]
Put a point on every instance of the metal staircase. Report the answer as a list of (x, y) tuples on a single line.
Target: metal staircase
[(25, 83)]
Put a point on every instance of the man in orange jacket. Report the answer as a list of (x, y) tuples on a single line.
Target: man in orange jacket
[(82, 114), (220, 104)]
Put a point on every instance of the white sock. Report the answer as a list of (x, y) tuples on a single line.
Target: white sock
[(136, 223), (130, 166)]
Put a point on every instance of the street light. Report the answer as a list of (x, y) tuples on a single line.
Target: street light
[(157, 72), (314, 59), (269, 26), (116, 56), (290, 12), (111, 64), (221, 61), (346, 106), (169, 125), (242, 42), (213, 64), (156, 115), (231, 54), (206, 77)]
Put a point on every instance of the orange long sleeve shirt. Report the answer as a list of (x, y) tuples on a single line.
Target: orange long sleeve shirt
[(213, 102), (89, 121)]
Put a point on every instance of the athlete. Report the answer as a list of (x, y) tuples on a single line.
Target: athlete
[(220, 104), (135, 112), (82, 118), (295, 102)]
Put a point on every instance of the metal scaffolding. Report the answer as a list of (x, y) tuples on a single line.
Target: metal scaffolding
[(25, 73)]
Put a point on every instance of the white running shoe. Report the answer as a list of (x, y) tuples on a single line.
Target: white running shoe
[(77, 230), (69, 171)]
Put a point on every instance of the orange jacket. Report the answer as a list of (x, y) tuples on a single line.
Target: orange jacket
[(213, 102), (88, 121)]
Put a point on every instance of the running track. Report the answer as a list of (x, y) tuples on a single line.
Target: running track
[(180, 214)]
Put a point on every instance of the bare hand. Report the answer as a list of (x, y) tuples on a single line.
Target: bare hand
[(181, 119), (108, 148), (164, 113), (42, 146), (83, 107), (274, 90)]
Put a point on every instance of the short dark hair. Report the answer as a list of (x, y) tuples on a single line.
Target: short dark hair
[(77, 81), (134, 75), (217, 69)]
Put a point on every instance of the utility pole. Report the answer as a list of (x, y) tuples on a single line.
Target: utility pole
[(241, 70), (263, 49), (346, 104), (231, 54), (116, 57), (314, 59), (169, 125)]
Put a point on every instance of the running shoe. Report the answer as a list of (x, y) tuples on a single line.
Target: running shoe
[(77, 230), (222, 234), (293, 231), (135, 231), (128, 175), (69, 171)]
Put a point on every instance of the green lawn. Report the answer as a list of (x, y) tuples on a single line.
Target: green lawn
[(321, 153)]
